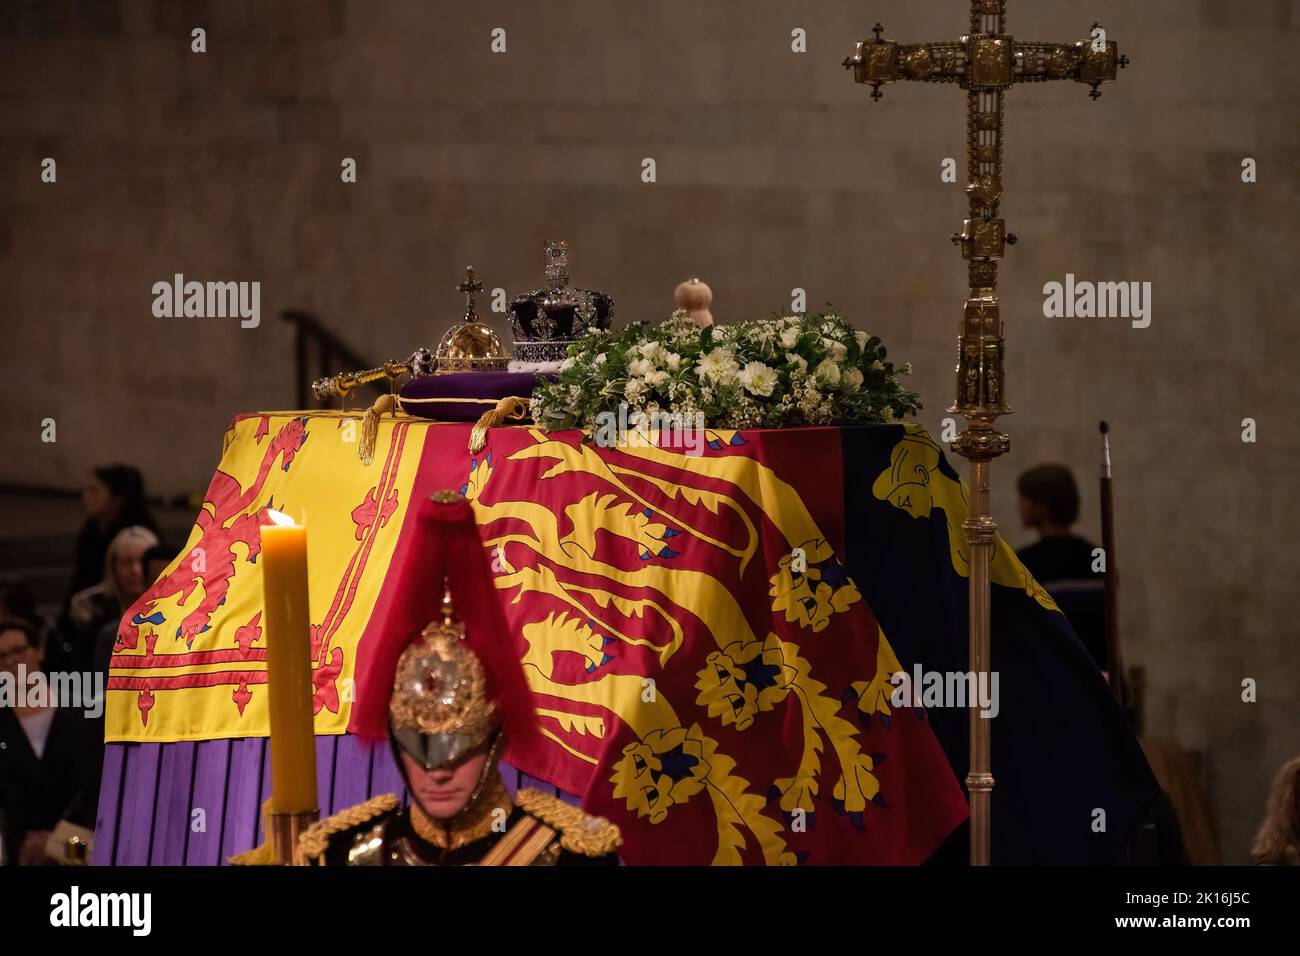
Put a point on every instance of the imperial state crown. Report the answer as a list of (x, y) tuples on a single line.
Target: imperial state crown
[(547, 320)]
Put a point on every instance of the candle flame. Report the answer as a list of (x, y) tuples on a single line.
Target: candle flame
[(280, 518)]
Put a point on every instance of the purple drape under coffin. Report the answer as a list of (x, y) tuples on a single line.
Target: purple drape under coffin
[(198, 803)]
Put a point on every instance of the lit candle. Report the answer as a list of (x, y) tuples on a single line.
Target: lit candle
[(288, 665)]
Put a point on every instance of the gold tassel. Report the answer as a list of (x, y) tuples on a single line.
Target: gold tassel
[(512, 407), (384, 405)]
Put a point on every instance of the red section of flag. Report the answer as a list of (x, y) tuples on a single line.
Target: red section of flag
[(580, 561)]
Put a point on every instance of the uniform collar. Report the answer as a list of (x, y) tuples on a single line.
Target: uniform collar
[(473, 823)]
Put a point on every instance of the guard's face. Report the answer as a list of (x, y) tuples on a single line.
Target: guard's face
[(442, 793)]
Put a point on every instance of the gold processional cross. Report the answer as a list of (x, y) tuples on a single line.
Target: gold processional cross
[(985, 63)]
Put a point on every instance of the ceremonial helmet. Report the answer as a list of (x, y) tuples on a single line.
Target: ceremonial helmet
[(440, 709), (443, 674)]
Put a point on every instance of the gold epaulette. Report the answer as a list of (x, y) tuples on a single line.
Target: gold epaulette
[(579, 832), (315, 840)]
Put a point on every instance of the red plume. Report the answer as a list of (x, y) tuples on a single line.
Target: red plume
[(447, 547)]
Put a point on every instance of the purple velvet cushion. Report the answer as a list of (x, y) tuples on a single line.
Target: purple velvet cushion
[(463, 396)]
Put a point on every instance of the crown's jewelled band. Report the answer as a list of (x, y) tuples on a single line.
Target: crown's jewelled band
[(555, 350)]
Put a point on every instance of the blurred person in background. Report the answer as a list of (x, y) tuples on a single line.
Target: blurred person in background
[(95, 612), (1062, 561), (1049, 503), (1278, 841), (156, 560), (51, 755), (112, 497), (133, 578)]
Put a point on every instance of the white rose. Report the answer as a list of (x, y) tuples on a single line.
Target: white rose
[(827, 372), (789, 337), (837, 349), (640, 368), (652, 350), (758, 379), (854, 377), (673, 361)]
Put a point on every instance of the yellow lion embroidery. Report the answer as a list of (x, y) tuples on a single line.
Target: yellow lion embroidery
[(914, 483)]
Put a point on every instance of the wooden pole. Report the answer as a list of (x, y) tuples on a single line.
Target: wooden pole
[(1114, 659), (981, 532)]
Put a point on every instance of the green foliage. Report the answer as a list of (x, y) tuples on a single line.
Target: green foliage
[(773, 373)]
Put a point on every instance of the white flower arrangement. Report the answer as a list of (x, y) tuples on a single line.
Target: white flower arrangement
[(774, 373)]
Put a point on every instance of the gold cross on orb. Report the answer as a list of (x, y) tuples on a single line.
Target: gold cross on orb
[(985, 63), (469, 288)]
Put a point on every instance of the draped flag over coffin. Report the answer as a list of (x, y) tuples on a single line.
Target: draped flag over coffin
[(703, 663), (707, 674), (190, 658)]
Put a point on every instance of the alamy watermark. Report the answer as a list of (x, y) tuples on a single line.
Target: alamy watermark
[(76, 909), (208, 300), (657, 429), (1102, 300), (957, 689), (83, 690)]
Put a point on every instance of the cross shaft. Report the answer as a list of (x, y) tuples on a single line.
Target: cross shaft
[(985, 63)]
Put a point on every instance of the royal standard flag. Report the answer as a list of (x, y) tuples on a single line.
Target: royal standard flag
[(710, 637)]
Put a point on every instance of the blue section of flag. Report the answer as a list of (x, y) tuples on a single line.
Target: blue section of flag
[(1061, 747)]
